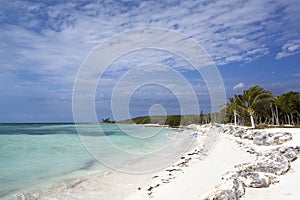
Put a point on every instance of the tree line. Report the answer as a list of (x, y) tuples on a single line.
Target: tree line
[(259, 106), (171, 120), (255, 106)]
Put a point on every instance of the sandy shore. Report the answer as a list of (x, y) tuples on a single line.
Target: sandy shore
[(288, 186), (197, 174), (202, 175), (199, 177)]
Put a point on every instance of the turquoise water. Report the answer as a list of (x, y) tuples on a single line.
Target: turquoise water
[(34, 155)]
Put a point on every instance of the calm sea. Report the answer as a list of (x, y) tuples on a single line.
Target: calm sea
[(37, 155)]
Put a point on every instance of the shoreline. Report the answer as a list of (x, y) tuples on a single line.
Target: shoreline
[(197, 174), (203, 178)]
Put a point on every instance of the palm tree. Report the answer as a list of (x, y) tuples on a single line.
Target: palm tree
[(234, 108), (250, 100)]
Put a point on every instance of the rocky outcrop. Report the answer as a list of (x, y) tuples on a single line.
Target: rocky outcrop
[(258, 137), (231, 187), (261, 173), (271, 162), (289, 153), (256, 179), (271, 138)]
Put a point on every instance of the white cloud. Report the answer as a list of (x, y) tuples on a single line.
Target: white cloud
[(239, 86), (49, 40), (228, 30), (290, 48)]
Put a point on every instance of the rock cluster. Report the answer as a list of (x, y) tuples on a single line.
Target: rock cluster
[(258, 137), (231, 187), (259, 174)]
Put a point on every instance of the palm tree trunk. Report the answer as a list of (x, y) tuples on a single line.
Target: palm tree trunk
[(288, 117), (273, 115), (292, 119), (235, 118), (252, 121), (277, 117), (260, 120)]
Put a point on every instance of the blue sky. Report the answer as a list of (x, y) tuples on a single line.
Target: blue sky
[(43, 44)]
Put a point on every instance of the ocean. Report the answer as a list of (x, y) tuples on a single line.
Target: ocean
[(37, 156)]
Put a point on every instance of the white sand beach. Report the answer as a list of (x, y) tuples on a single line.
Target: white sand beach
[(197, 181), (203, 175)]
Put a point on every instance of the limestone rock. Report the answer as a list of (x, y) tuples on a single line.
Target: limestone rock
[(264, 138), (272, 162), (231, 188), (257, 179), (291, 153)]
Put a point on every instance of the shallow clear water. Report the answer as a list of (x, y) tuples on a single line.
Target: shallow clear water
[(33, 155)]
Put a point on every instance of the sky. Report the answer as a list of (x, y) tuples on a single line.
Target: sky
[(44, 43)]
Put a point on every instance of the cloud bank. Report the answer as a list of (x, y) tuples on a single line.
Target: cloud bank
[(290, 48), (43, 43)]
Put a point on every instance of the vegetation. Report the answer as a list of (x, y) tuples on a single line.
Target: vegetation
[(289, 106), (171, 120), (253, 100), (107, 121), (254, 107), (263, 108)]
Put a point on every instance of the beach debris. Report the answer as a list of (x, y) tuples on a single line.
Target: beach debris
[(171, 172), (173, 169), (195, 152), (195, 134), (150, 188)]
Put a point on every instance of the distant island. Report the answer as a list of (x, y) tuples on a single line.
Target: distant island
[(107, 121)]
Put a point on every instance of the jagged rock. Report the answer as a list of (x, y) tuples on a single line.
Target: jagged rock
[(291, 153), (263, 171), (281, 138), (228, 130), (257, 179), (271, 162), (239, 133), (271, 138), (258, 137), (248, 135), (255, 134), (231, 188)]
